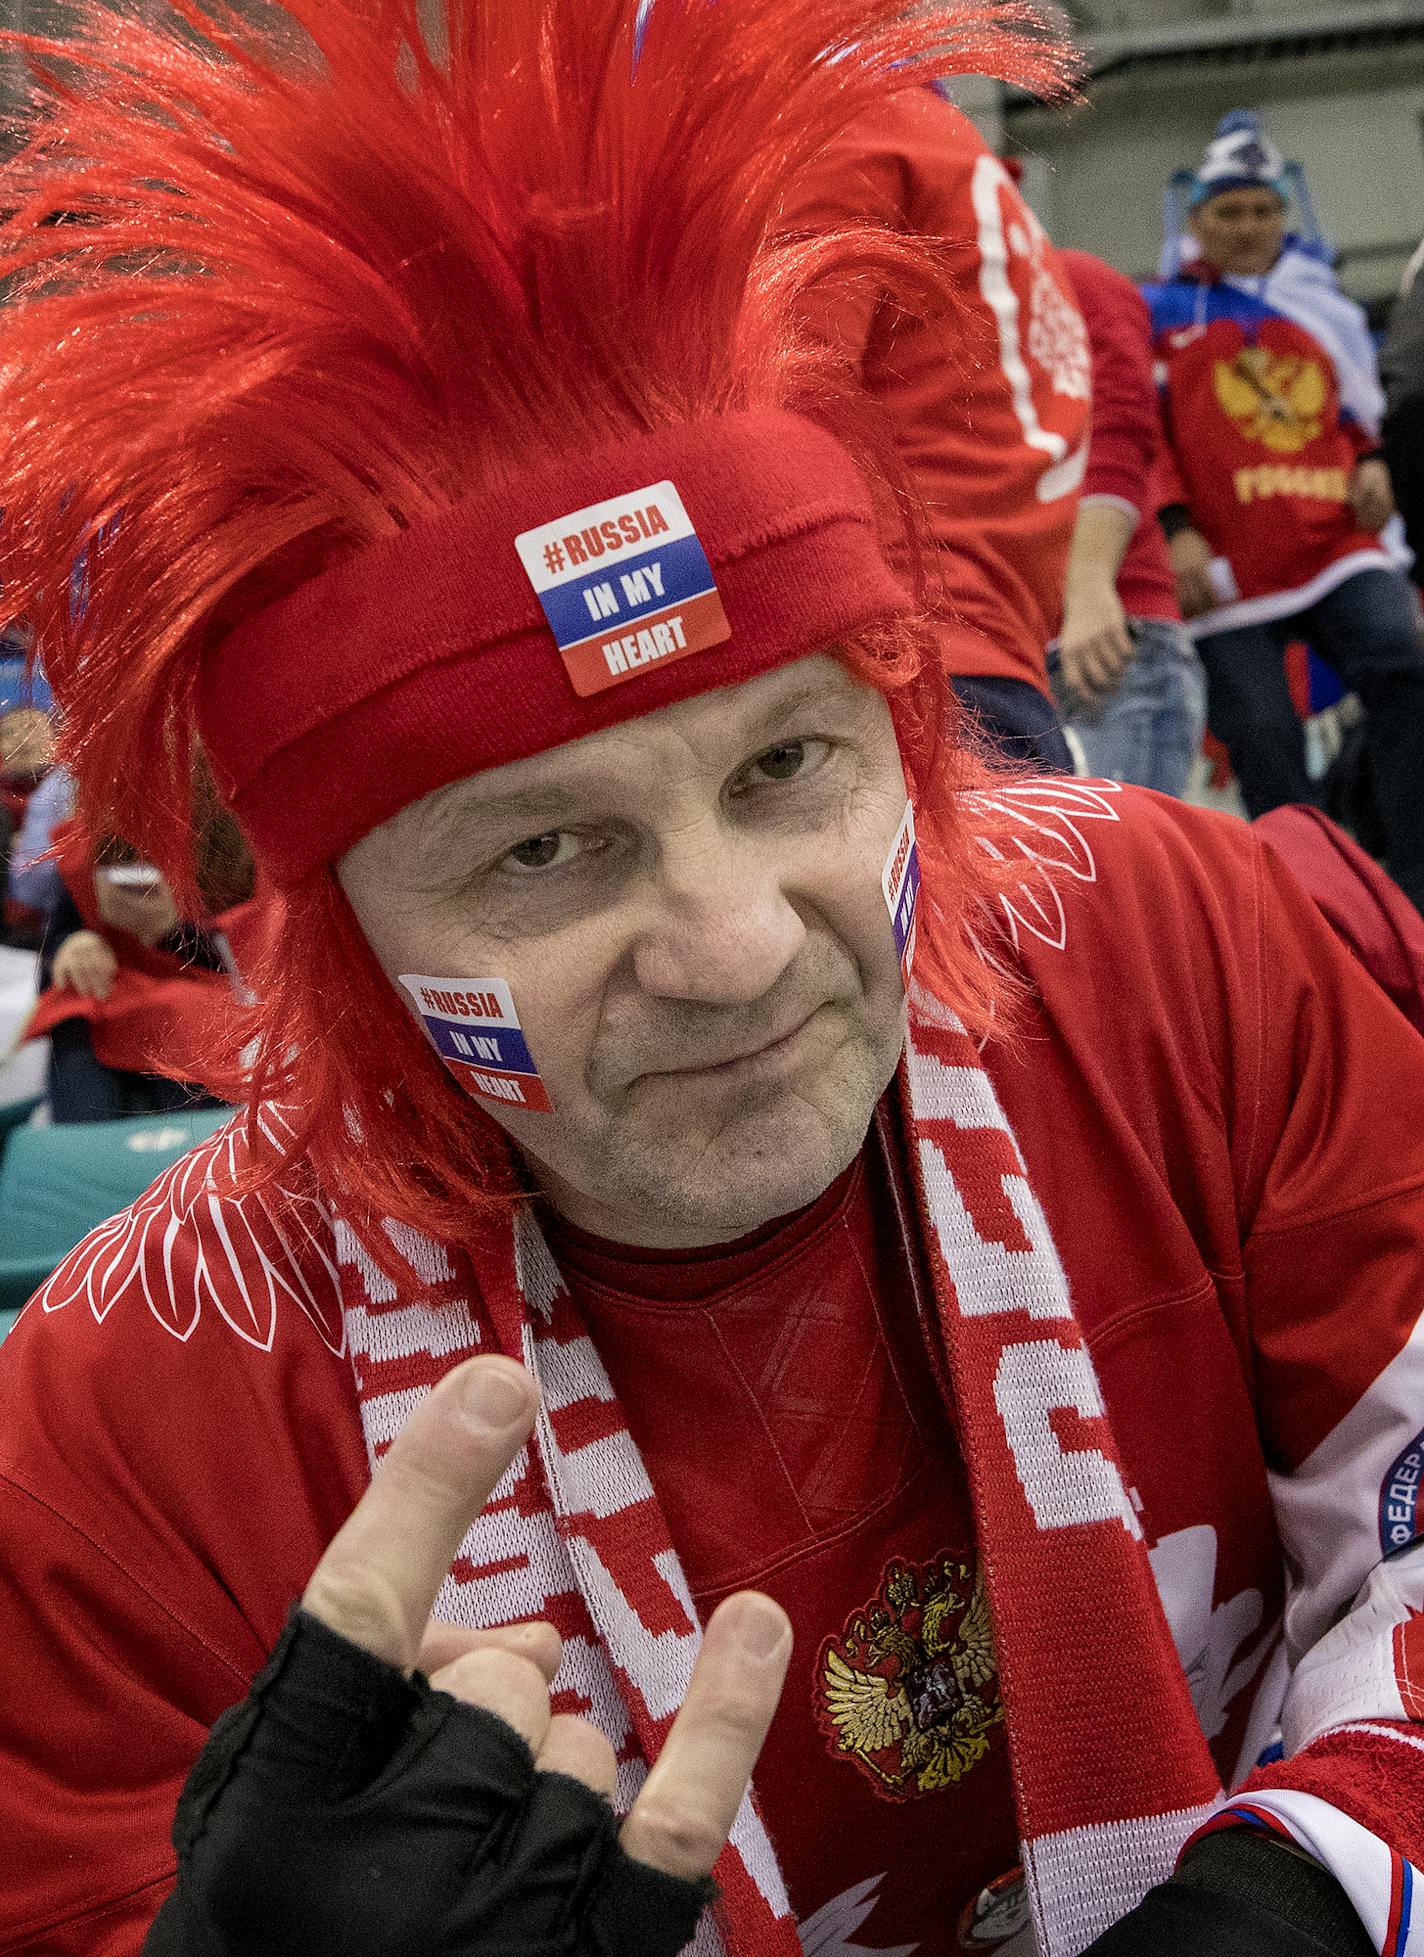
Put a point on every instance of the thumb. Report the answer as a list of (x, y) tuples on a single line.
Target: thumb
[(379, 1577)]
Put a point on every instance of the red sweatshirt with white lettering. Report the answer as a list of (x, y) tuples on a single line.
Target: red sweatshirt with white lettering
[(990, 401)]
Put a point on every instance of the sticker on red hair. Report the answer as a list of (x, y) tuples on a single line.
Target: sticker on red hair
[(625, 585), (900, 880), (474, 1028)]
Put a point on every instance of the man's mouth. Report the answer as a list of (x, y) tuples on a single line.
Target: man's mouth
[(763, 1058)]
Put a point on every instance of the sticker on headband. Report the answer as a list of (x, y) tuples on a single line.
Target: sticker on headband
[(625, 586), (474, 1028), (900, 880)]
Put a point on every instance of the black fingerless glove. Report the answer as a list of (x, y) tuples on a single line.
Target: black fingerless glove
[(344, 1810), (1240, 1894)]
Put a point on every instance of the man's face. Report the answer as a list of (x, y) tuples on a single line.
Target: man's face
[(1241, 231), (688, 911)]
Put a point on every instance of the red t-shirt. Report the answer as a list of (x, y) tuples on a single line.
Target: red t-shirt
[(779, 1391)]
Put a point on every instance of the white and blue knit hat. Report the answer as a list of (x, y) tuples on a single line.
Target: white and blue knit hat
[(1239, 157)]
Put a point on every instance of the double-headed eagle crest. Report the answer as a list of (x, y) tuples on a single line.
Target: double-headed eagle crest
[(1277, 399), (910, 1690)]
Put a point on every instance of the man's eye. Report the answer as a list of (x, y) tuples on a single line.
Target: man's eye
[(786, 761), (551, 851)]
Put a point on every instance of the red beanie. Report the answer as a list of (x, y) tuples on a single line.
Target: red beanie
[(429, 658)]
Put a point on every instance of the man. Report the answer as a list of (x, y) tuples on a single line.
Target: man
[(1045, 1361), (988, 396), (1272, 407), (1128, 678)]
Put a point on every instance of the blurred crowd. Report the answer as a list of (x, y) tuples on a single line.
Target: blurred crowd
[(127, 984), (1160, 509)]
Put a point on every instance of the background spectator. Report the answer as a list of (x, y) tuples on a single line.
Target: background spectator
[(989, 403), (1272, 407), (128, 984), (33, 885), (1130, 684), (26, 768)]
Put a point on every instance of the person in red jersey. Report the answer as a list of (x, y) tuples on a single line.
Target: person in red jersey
[(755, 1242), (988, 395), (1130, 683), (127, 985), (1277, 516)]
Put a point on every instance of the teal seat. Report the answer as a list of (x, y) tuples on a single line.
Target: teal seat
[(57, 1183), (14, 1114)]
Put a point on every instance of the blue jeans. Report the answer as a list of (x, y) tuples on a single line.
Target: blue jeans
[(1149, 729), (1367, 631)]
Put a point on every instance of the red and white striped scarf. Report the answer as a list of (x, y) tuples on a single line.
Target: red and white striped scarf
[(1110, 1767)]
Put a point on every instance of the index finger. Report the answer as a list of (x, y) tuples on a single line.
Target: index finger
[(381, 1572), (685, 1809)]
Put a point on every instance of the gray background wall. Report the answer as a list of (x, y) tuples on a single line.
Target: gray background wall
[(1341, 87)]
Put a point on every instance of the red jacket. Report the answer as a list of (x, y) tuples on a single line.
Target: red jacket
[(1229, 1156), (1366, 908), (989, 404), (1126, 447)]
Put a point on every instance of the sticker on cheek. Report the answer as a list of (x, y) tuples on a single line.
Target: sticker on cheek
[(900, 880), (474, 1028)]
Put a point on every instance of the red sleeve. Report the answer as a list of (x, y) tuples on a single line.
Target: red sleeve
[(1126, 434), (1373, 1774), (1333, 1179), (95, 1751), (1333, 1200), (176, 1448), (857, 180)]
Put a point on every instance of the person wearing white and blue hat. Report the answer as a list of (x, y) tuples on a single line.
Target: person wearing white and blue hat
[(1281, 516)]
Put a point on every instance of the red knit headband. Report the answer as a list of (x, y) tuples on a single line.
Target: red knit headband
[(430, 657)]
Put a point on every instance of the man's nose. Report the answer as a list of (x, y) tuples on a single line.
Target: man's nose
[(719, 926)]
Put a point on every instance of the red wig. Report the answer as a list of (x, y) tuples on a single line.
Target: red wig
[(334, 273)]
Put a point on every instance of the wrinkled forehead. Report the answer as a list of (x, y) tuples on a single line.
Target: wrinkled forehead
[(708, 735), (1242, 201)]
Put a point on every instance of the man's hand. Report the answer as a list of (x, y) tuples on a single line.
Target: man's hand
[(378, 1580), (1372, 494), (1095, 647), (86, 965), (1191, 566), (348, 1807)]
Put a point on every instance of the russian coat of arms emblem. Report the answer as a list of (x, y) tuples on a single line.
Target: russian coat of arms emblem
[(910, 1689), (1277, 399)]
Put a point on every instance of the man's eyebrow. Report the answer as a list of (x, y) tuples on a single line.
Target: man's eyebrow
[(543, 802), (812, 694), (534, 804)]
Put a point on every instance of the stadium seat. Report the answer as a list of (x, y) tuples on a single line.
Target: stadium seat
[(57, 1183), (14, 1114)]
